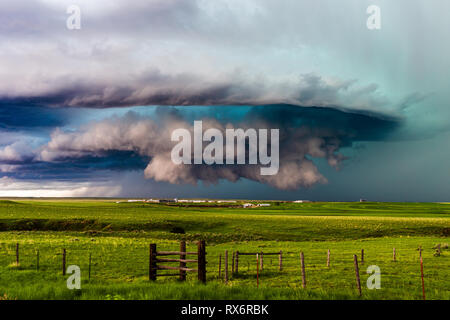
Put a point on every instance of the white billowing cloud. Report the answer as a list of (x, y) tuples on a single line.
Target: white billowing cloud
[(128, 133), (150, 139), (15, 152), (10, 187), (8, 153), (293, 173)]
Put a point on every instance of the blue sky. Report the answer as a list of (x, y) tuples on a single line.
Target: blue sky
[(362, 113)]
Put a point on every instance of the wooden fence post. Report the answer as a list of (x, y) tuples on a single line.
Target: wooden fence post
[(202, 261), (183, 264), (17, 254), (362, 256), (64, 262), (220, 264), (152, 262), (226, 266), (280, 260), (328, 258), (257, 270), (302, 262), (358, 281), (421, 275), (394, 255), (236, 266)]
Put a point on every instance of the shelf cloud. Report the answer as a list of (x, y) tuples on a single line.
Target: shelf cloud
[(305, 133), (88, 107)]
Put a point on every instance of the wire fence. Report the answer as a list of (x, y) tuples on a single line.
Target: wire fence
[(128, 260)]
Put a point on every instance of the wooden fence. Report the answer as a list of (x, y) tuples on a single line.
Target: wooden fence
[(235, 261), (155, 260)]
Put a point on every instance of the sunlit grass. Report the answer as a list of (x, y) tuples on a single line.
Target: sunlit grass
[(118, 235)]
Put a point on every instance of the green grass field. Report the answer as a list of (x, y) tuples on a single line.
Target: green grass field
[(117, 235)]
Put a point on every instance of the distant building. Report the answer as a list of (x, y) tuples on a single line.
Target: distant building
[(301, 201), (263, 204), (247, 205), (136, 200), (226, 201), (362, 200), (166, 200)]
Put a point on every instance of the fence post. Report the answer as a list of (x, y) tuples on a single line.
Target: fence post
[(236, 266), (421, 275), (257, 270), (280, 260), (182, 264), (64, 262), (358, 281), (152, 262), (220, 264), (394, 255), (17, 253), (362, 256), (226, 266), (328, 258), (202, 261), (302, 262)]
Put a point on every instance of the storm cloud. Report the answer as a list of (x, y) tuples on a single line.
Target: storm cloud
[(310, 68), (305, 134), (225, 52)]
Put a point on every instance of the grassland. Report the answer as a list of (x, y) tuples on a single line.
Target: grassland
[(117, 235)]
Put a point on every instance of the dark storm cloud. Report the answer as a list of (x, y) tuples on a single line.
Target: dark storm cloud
[(175, 52), (316, 55), (28, 114), (79, 169), (156, 88), (305, 134), (356, 125)]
